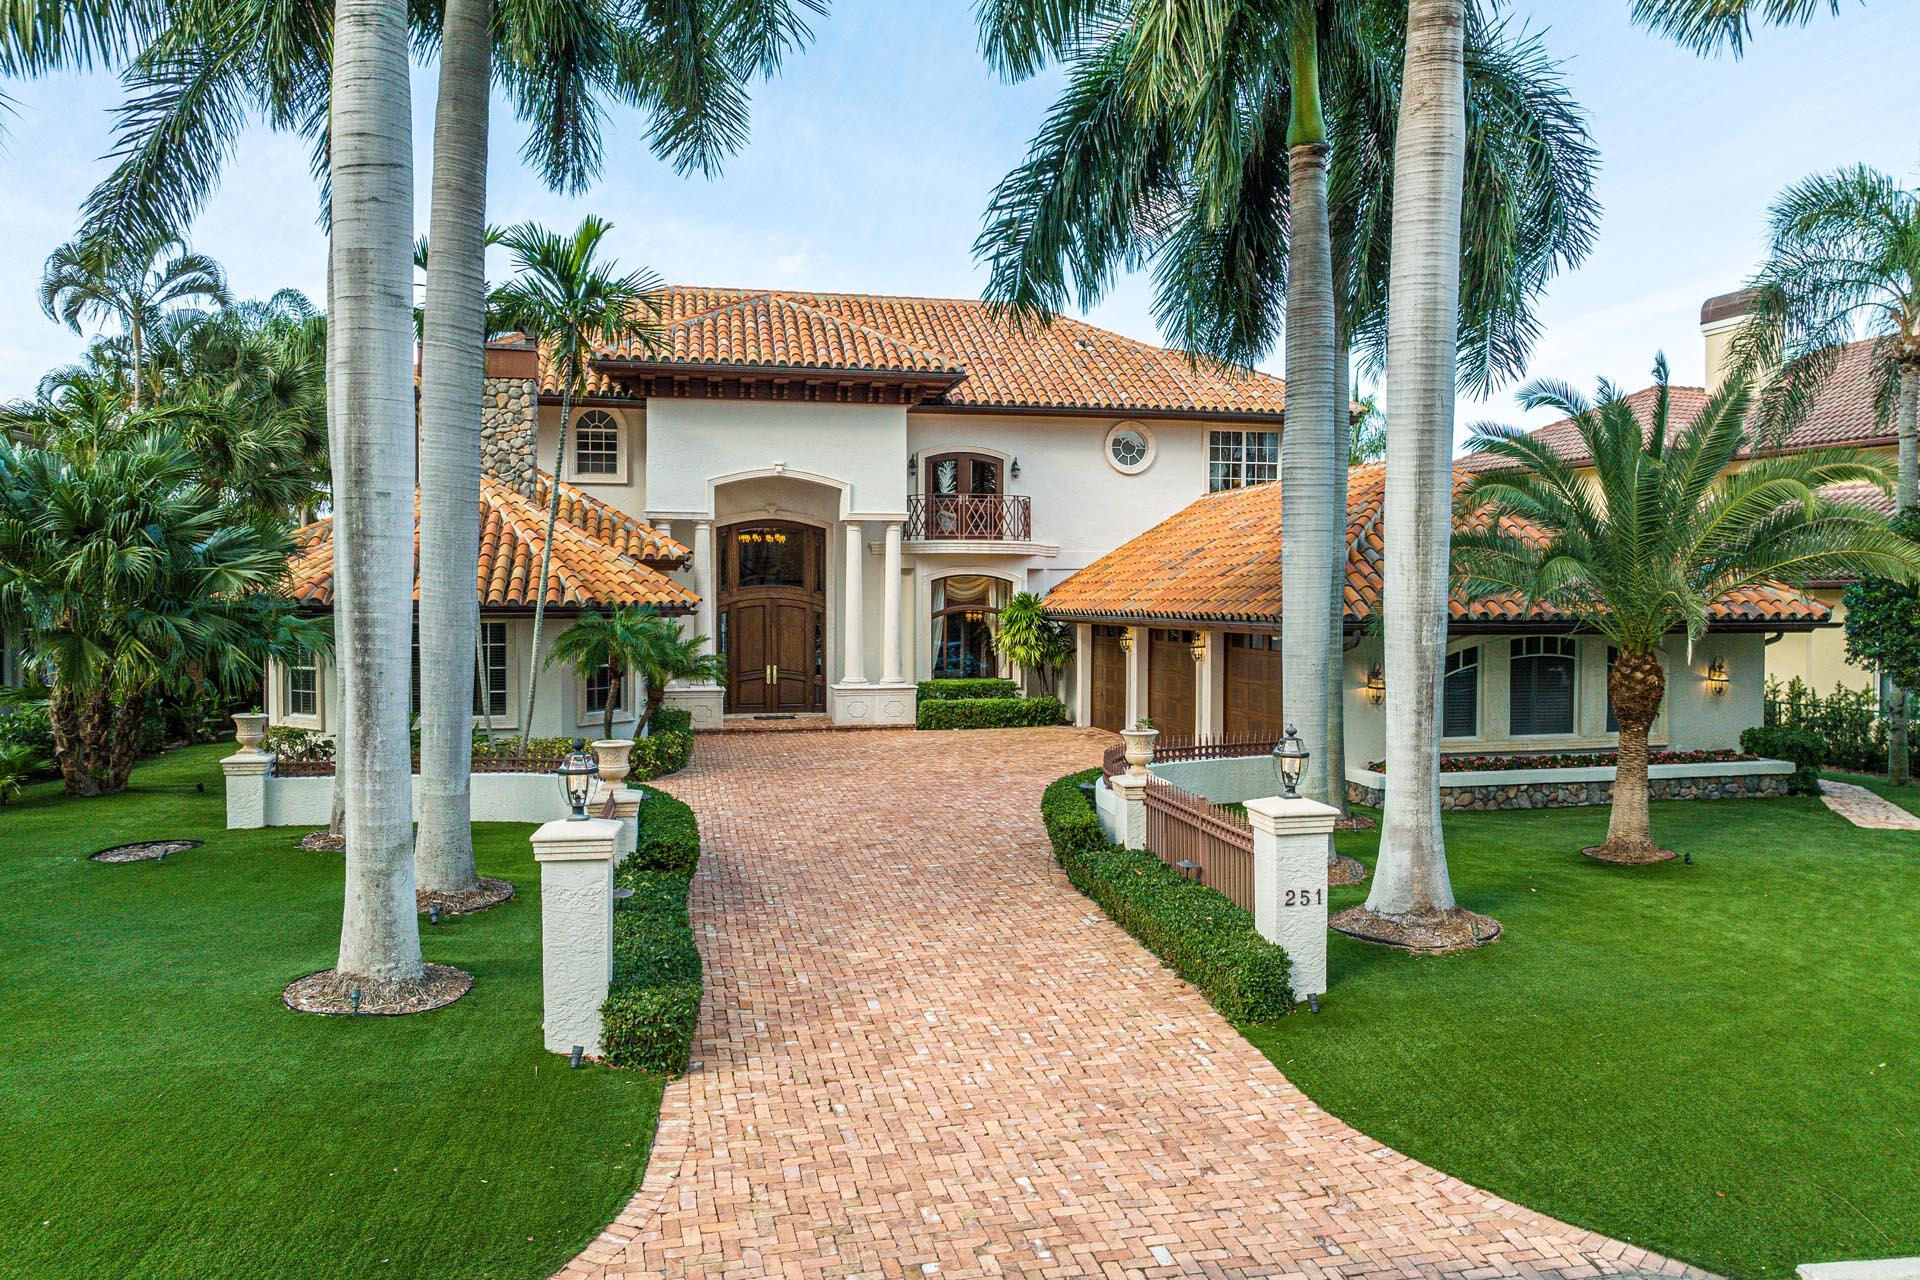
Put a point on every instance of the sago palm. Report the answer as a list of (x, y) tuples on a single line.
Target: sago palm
[(570, 301), (130, 282), (1666, 527)]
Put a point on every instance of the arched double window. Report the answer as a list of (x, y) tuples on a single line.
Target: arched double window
[(966, 615)]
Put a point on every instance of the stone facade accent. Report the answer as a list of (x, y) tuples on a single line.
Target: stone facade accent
[(509, 429), (1566, 795)]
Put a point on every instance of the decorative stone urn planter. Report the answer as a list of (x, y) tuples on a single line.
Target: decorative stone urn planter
[(1139, 749), (250, 730), (615, 759)]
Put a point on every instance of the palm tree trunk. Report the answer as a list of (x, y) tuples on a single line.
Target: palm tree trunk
[(1635, 686), (342, 663), (1307, 520), (452, 377), (1906, 493), (546, 552), (613, 686), (1410, 882), (1336, 761), (372, 174), (135, 341)]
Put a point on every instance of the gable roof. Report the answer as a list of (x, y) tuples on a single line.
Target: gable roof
[(1842, 413), (602, 558), (968, 353), (1218, 560)]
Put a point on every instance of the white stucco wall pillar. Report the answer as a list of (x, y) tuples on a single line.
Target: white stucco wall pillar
[(1210, 687), (854, 631), (576, 860), (1137, 640), (246, 773), (1083, 674), (890, 672), (703, 579), (1290, 883), (1130, 825)]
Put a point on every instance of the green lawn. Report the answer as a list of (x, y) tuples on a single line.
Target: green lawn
[(162, 1115), (1718, 1061)]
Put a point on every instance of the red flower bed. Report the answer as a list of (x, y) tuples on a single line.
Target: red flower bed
[(1573, 760)]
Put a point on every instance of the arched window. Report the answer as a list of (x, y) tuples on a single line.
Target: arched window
[(596, 445), (966, 614)]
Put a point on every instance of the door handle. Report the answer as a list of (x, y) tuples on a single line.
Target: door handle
[(776, 673)]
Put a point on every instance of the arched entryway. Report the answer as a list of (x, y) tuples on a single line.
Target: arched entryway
[(771, 610)]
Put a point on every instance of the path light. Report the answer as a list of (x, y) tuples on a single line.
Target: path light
[(575, 771), (1290, 763), (433, 914), (1376, 685), (354, 998), (1717, 677), (579, 1052), (1187, 866)]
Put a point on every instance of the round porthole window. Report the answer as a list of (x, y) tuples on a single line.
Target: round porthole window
[(1130, 448)]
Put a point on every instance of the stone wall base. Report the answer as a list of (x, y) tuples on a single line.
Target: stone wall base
[(1567, 795)]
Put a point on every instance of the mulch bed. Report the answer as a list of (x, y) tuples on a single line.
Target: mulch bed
[(146, 851), (1447, 931), (330, 992), (1629, 857), (323, 842), (491, 893), (1345, 870), (1355, 822)]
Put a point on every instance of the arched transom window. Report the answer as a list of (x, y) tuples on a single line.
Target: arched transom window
[(596, 445)]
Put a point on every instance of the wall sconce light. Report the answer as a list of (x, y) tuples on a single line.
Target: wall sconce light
[(1126, 639), (1199, 646), (913, 465), (1376, 685), (1016, 468), (1717, 677)]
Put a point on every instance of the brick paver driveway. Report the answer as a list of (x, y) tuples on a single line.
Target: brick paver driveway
[(922, 1053)]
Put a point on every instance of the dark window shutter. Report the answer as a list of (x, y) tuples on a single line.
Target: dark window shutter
[(1460, 696)]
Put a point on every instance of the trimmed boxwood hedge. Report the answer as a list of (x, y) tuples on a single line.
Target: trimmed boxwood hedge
[(669, 748), (1201, 935), (653, 1002), (989, 713), (968, 687)]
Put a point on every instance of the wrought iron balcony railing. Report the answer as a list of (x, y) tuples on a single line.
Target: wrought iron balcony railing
[(943, 516)]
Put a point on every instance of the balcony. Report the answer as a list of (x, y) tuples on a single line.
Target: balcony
[(946, 517)]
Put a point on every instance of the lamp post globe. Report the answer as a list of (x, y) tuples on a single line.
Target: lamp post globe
[(1290, 757)]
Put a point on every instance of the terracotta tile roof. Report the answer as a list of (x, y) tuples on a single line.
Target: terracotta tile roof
[(601, 557), (989, 358), (1219, 561), (1842, 414)]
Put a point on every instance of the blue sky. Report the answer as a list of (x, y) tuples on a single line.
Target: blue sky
[(874, 152)]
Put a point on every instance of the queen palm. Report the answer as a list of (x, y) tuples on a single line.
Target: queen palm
[(132, 282), (570, 301), (1665, 528)]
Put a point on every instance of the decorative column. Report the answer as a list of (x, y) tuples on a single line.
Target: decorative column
[(247, 773), (854, 591), (1290, 882), (1136, 641), (576, 858), (890, 613), (1083, 674), (703, 579)]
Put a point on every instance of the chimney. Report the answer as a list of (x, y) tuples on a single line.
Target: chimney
[(509, 420), (1720, 319)]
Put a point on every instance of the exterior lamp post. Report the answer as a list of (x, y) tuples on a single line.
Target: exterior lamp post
[(1290, 763), (575, 772)]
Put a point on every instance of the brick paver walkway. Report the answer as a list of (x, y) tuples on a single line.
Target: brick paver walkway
[(922, 1053), (1864, 808)]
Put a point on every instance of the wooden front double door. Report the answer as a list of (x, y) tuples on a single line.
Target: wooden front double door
[(772, 611)]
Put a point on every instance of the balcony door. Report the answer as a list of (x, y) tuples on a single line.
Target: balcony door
[(772, 614), (963, 496)]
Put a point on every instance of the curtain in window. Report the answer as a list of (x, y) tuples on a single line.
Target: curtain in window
[(966, 614)]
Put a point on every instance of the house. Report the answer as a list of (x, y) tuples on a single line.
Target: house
[(1843, 413), (841, 490), (1182, 624)]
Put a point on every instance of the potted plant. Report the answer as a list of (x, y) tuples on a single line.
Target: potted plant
[(1140, 740), (250, 730)]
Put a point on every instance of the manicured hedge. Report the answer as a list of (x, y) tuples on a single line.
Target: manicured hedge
[(970, 687), (989, 713), (1801, 747), (669, 748), (653, 1003), (1201, 935)]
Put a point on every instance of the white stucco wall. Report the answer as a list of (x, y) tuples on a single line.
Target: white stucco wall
[(694, 443), (497, 797)]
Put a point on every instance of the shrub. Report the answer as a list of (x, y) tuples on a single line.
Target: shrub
[(286, 743), (1800, 746), (989, 713), (27, 724), (653, 1002), (669, 748), (969, 687), (1201, 935), (1852, 733)]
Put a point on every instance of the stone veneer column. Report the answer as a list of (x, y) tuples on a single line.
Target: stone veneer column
[(853, 589), (890, 614), (509, 431), (703, 580)]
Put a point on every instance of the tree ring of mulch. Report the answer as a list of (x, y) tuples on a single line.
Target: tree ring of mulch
[(491, 893), (1453, 930), (1355, 822), (323, 842), (330, 993), (1345, 870), (1629, 857), (143, 851)]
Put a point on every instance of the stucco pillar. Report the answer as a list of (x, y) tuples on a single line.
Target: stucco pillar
[(853, 589), (1130, 818), (703, 579), (1290, 882), (1209, 687), (576, 860), (247, 773), (890, 613), (1083, 674), (1137, 638)]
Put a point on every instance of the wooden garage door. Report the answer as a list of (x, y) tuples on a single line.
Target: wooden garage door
[(1253, 687), (1109, 710), (1170, 683)]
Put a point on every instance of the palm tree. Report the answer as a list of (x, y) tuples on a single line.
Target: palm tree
[(570, 303), (641, 640), (1709, 25), (371, 175), (126, 281), (1665, 529), (1032, 641)]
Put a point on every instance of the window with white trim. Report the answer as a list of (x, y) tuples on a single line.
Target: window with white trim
[(1236, 459), (1540, 685), (490, 671), (604, 686), (303, 684), (1460, 694), (596, 445)]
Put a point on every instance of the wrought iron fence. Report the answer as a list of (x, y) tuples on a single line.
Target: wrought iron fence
[(986, 517)]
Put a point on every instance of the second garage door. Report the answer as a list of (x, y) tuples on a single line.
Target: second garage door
[(1109, 678), (1170, 683), (1253, 687)]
